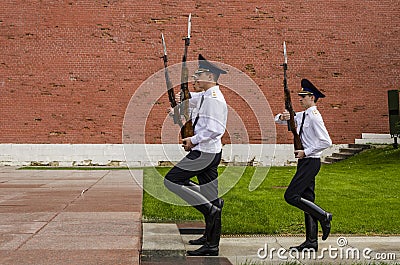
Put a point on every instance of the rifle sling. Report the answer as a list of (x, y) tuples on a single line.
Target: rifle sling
[(302, 123), (198, 113)]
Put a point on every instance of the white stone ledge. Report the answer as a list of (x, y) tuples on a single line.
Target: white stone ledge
[(139, 155), (373, 138)]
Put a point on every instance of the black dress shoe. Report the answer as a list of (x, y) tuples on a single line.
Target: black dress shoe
[(205, 250), (326, 226), (306, 245), (200, 241)]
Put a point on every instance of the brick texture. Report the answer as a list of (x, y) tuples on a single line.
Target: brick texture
[(68, 68)]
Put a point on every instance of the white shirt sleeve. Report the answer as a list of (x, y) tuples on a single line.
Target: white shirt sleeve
[(321, 139), (278, 121)]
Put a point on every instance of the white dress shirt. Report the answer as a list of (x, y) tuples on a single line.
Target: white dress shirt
[(211, 124), (315, 137)]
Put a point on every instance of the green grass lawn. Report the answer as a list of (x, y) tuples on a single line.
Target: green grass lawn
[(362, 193)]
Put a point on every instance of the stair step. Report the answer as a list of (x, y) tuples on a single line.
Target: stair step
[(162, 241), (345, 153), (350, 150), (192, 228), (362, 146), (189, 261), (375, 136), (342, 155), (331, 159)]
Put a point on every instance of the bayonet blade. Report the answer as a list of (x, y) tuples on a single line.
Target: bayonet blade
[(284, 52), (163, 43), (189, 25)]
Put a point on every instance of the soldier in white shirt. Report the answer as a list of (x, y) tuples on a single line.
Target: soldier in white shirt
[(209, 116), (315, 138)]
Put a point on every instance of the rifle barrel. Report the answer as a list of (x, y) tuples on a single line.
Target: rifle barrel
[(288, 105)]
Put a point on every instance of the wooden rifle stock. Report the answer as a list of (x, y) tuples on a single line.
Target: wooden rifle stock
[(288, 106)]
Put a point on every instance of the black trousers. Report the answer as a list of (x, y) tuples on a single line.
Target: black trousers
[(200, 164), (303, 182)]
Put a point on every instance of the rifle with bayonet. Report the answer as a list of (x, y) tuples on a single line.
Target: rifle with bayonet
[(170, 89), (187, 128), (288, 106), (183, 108)]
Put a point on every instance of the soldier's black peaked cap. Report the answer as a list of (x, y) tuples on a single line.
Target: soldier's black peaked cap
[(307, 88), (206, 65)]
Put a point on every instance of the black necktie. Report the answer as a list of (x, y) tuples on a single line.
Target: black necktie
[(198, 112)]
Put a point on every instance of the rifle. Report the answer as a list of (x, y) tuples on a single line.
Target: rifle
[(170, 89), (187, 128), (288, 106)]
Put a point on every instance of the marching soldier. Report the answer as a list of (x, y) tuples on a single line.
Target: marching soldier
[(205, 149), (315, 138)]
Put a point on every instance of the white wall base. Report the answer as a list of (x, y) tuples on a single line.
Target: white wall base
[(66, 155), (373, 138)]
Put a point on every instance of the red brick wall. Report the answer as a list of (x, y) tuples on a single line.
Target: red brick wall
[(69, 68)]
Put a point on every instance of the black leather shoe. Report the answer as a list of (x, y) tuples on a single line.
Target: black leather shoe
[(306, 245), (326, 226), (204, 251), (200, 241)]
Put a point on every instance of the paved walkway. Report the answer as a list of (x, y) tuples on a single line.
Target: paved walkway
[(164, 240), (94, 217), (69, 217), (274, 250)]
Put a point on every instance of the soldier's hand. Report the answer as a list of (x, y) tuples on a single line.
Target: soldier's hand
[(178, 97), (285, 116), (187, 144), (170, 111), (299, 154)]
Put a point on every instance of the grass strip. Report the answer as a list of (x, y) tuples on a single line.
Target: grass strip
[(362, 192)]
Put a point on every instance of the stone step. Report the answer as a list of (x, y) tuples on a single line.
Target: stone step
[(162, 241), (191, 228), (162, 244), (362, 146), (345, 153), (342, 155), (190, 261), (372, 138), (375, 136), (350, 150), (331, 159)]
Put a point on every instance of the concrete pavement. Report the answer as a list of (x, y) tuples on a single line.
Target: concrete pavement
[(94, 217), (69, 217), (274, 249)]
